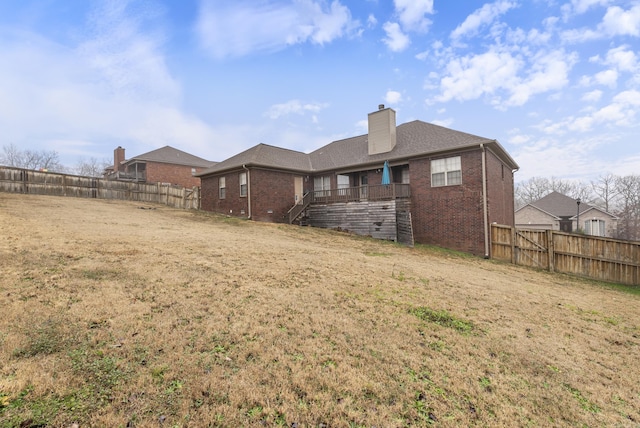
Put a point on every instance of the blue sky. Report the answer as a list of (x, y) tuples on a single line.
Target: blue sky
[(556, 82)]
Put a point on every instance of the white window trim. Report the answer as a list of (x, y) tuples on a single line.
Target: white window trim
[(322, 185), (243, 186), (446, 166), (222, 188), (600, 224)]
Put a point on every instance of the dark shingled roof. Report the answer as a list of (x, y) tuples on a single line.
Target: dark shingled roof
[(168, 154), (413, 139), (266, 156), (560, 205)]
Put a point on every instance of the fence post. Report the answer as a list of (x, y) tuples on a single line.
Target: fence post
[(514, 259), (550, 251)]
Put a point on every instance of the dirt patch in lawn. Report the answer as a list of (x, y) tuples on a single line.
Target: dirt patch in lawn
[(130, 314)]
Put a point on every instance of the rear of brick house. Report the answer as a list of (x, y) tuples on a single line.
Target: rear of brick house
[(453, 184), (164, 165)]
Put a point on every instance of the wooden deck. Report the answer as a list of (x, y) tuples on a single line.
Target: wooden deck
[(378, 192)]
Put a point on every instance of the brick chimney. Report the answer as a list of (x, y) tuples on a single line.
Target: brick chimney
[(118, 158), (382, 130)]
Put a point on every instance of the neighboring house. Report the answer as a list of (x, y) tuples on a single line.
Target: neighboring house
[(446, 187), (164, 165), (560, 212)]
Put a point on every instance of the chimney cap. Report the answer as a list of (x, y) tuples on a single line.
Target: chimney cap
[(380, 106)]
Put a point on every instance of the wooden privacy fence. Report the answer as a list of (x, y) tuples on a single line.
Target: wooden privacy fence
[(603, 259), (18, 180)]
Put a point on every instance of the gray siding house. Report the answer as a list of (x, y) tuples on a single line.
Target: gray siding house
[(556, 211)]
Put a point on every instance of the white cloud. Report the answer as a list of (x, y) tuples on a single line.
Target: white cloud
[(238, 28), (508, 79), (606, 78), (519, 139), (294, 107), (623, 59), (629, 98), (620, 22), (549, 71), (472, 76), (114, 89), (579, 7), (411, 13), (620, 112), (372, 21), (443, 122), (482, 17), (129, 61), (392, 97), (396, 40), (616, 22), (592, 96)]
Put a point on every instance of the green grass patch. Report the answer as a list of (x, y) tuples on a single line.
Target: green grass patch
[(42, 338), (443, 318), (585, 404)]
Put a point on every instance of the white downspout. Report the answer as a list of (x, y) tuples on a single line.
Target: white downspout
[(248, 191), (484, 201)]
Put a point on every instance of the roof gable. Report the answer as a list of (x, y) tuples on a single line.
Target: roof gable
[(414, 139), (168, 154), (265, 155), (559, 205)]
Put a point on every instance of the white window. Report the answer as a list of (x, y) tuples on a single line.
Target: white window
[(594, 227), (343, 184), (243, 184), (222, 187), (446, 172), (404, 175), (322, 185)]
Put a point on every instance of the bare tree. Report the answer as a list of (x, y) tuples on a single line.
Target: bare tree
[(11, 156), (538, 187), (628, 188), (91, 167), (604, 188), (531, 190), (31, 159)]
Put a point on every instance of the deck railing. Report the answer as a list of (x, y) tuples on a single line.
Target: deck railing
[(362, 193)]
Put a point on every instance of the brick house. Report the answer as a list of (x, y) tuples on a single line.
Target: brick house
[(165, 165), (556, 211), (446, 187)]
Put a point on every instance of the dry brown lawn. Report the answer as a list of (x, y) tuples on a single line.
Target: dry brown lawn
[(121, 314)]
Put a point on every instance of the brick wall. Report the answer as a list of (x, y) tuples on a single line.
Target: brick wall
[(448, 216), (272, 195), (500, 189), (232, 204), (171, 173), (452, 216)]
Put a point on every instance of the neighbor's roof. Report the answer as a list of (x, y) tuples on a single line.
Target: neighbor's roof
[(413, 139), (168, 154), (560, 205)]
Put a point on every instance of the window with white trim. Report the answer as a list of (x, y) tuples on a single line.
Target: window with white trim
[(243, 184), (446, 172), (594, 227), (222, 187), (343, 184), (322, 185), (343, 181)]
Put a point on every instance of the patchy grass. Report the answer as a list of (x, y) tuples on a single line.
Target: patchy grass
[(119, 316), (443, 318)]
